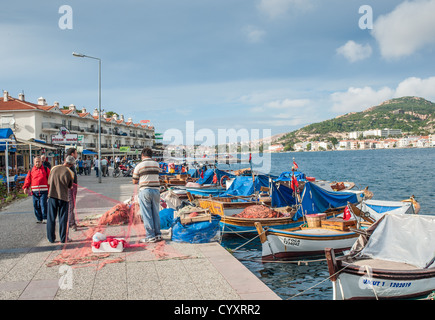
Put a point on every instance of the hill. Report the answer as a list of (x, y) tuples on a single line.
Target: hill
[(413, 115)]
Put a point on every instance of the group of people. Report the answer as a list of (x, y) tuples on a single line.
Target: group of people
[(54, 193)]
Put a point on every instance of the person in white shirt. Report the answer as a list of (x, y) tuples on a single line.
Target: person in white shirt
[(146, 175)]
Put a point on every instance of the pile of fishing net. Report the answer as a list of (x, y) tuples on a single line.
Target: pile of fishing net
[(121, 213), (258, 212)]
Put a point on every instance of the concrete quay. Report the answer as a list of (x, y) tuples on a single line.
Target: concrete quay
[(31, 268)]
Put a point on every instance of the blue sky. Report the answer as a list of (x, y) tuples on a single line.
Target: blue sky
[(224, 64)]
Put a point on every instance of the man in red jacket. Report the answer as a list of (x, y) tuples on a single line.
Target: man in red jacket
[(37, 182)]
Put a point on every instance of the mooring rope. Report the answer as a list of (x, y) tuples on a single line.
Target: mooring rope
[(328, 278)]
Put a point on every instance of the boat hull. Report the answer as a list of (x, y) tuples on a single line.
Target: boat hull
[(285, 245), (354, 284)]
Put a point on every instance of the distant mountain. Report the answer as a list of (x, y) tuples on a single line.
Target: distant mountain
[(413, 115)]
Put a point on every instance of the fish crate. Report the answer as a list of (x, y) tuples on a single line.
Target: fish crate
[(197, 215), (338, 224), (315, 220)]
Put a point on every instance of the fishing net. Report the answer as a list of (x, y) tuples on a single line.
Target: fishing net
[(258, 212), (98, 214)]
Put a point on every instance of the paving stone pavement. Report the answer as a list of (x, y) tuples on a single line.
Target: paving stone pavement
[(165, 270)]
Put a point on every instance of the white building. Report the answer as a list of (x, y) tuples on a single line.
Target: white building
[(41, 121)]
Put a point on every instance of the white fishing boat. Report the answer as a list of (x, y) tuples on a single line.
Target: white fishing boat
[(319, 233), (393, 259), (301, 241)]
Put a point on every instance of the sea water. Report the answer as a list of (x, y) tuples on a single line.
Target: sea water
[(391, 174)]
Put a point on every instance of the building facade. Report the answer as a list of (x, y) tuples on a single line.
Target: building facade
[(42, 122)]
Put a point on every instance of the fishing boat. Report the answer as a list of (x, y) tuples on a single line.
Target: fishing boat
[(314, 199), (319, 233), (393, 259), (306, 241), (377, 208)]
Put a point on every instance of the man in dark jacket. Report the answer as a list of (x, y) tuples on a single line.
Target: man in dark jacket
[(61, 179)]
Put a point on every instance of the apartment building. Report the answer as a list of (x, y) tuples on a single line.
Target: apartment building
[(53, 124)]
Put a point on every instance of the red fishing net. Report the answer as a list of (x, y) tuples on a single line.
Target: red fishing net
[(96, 213), (258, 212)]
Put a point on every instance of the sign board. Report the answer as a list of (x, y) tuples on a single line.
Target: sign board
[(64, 137), (124, 149)]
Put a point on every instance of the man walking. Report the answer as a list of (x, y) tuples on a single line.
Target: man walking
[(96, 165), (61, 179), (37, 181), (146, 174), (104, 167), (72, 193), (45, 162)]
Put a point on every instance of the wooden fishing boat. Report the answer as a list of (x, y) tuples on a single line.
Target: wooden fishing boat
[(306, 241), (387, 261), (319, 233), (234, 224)]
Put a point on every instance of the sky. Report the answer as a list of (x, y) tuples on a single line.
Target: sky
[(192, 66)]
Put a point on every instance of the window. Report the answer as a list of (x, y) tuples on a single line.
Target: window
[(7, 121)]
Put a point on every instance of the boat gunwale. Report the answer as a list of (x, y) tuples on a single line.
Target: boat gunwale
[(319, 237), (390, 274)]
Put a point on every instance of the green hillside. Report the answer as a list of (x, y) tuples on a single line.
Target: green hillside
[(412, 115)]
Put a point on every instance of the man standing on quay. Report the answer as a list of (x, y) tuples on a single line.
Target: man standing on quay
[(37, 181), (72, 193), (61, 179), (146, 174)]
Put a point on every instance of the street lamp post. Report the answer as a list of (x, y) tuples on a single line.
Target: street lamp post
[(99, 108)]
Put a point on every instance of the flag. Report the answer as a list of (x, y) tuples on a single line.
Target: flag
[(144, 121), (295, 165), (215, 178), (346, 214), (294, 184), (250, 157), (202, 174)]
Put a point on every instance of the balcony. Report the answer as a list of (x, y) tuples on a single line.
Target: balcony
[(51, 127)]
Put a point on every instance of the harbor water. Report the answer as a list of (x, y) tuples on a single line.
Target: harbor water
[(391, 174)]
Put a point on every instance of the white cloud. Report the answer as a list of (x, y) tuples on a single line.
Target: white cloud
[(276, 8), (408, 28), (359, 99), (287, 103), (254, 34), (353, 51), (417, 87)]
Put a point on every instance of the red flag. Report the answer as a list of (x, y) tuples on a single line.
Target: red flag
[(295, 165), (346, 215), (294, 184), (144, 121), (250, 157), (215, 179), (202, 174)]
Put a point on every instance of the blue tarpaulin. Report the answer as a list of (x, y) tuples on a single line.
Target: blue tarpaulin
[(198, 232), (316, 200), (208, 176), (7, 133), (244, 186), (282, 196), (86, 152), (287, 176)]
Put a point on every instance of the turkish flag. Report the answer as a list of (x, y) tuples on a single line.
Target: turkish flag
[(346, 215), (295, 165), (294, 184)]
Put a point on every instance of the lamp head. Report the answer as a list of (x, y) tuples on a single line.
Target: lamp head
[(75, 54)]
